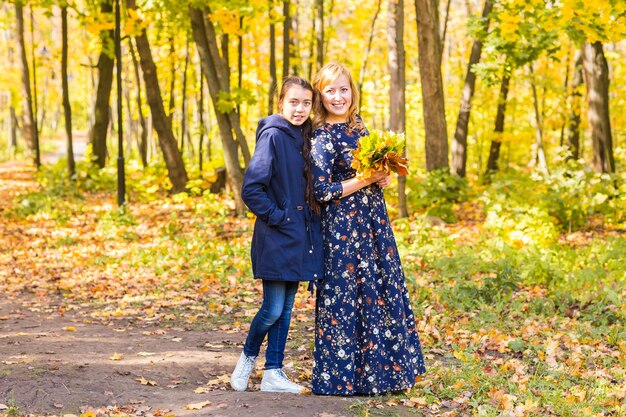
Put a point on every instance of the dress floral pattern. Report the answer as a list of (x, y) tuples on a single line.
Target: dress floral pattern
[(365, 336)]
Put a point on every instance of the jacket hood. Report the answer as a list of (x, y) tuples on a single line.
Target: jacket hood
[(276, 121)]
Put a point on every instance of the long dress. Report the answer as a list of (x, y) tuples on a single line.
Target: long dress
[(365, 336)]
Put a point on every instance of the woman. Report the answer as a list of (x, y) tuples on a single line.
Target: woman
[(365, 339), (287, 241)]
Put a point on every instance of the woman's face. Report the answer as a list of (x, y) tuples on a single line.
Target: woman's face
[(296, 105), (337, 98)]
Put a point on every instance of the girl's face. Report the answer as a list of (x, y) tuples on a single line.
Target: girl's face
[(296, 105), (337, 98)]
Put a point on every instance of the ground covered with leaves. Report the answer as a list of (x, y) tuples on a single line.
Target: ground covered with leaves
[(143, 310)]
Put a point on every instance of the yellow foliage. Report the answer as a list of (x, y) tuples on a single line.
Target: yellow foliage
[(228, 21), (134, 23)]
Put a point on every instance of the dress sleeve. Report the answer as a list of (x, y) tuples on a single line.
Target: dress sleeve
[(256, 183), (322, 159)]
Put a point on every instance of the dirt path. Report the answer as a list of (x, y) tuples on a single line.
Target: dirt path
[(58, 358), (58, 362)]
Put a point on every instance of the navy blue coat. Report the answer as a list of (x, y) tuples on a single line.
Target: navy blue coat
[(287, 239)]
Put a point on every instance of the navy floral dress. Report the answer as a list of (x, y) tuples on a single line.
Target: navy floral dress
[(365, 336)]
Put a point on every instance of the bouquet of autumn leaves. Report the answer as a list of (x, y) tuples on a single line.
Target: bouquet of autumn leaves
[(380, 151)]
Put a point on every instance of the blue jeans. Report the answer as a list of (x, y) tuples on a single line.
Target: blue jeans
[(272, 319)]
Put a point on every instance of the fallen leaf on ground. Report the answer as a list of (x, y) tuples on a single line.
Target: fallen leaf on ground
[(146, 353), (222, 379), (211, 346), (70, 328), (417, 401), (197, 406), (116, 357), (202, 390), (144, 381)]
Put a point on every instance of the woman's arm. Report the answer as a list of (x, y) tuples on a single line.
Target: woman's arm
[(353, 185), (323, 155), (322, 160)]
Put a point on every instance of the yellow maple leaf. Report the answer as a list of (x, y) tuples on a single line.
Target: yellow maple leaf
[(197, 406), (116, 357), (201, 390)]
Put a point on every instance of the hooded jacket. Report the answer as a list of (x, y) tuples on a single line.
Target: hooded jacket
[(287, 239)]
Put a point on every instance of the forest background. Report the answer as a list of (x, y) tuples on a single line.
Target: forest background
[(510, 224)]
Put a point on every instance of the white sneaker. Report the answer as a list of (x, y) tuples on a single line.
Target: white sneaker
[(241, 374), (275, 380)]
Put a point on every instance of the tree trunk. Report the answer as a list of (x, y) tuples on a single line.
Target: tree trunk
[(432, 84), (312, 38), (319, 32), (397, 109), (367, 53), (286, 37), (565, 89), (173, 159), (172, 102), (294, 50), (183, 110), (225, 54), (597, 71), (459, 143), (573, 129), (13, 133), (541, 155), (102, 115), (494, 150), (445, 24), (37, 125), (329, 23), (272, 91), (217, 75), (143, 135), (200, 110), (239, 61), (29, 128), (67, 109)]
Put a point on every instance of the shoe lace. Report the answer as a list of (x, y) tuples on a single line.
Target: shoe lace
[(248, 364), (281, 374)]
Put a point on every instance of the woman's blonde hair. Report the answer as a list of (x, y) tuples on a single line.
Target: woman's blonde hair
[(327, 75)]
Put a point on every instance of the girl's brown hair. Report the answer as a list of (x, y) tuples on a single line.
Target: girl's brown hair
[(327, 75), (306, 143)]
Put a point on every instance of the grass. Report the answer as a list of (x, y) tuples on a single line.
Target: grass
[(518, 315)]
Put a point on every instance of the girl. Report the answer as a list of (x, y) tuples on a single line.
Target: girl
[(287, 240), (365, 339)]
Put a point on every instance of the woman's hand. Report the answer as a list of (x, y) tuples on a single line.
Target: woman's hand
[(384, 182), (377, 176), (355, 184)]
